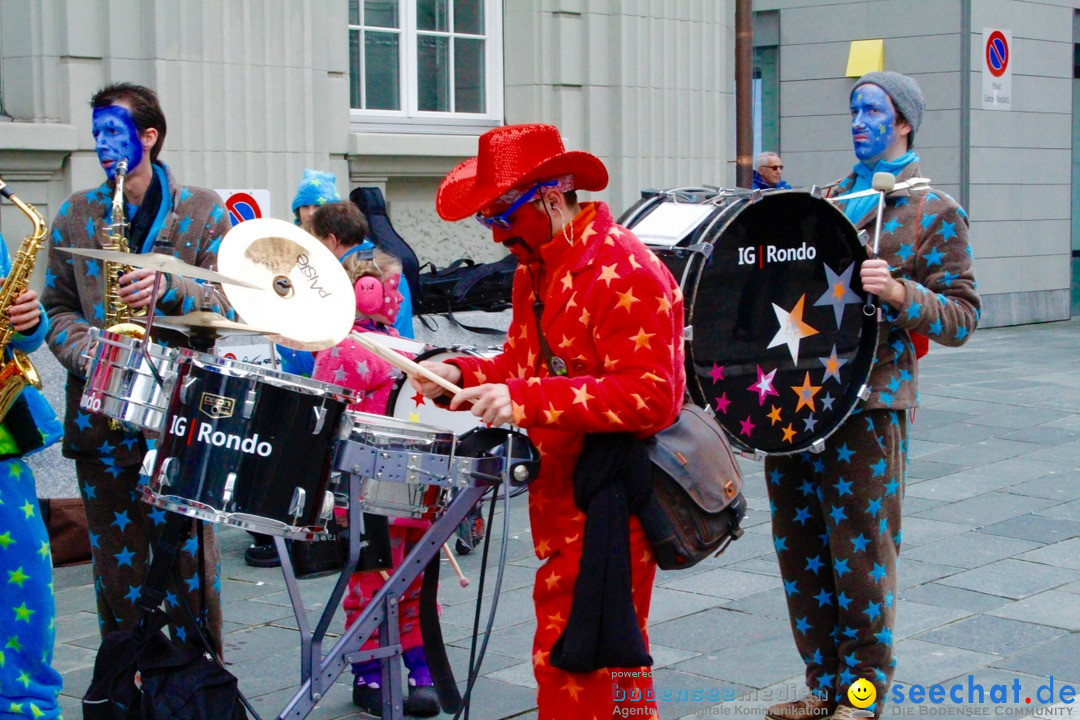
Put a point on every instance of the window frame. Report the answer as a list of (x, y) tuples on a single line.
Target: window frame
[(410, 118)]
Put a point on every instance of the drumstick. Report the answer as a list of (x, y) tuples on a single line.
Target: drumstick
[(403, 363), (464, 581), (882, 182)]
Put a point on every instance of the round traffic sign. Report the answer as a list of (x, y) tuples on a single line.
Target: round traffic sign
[(997, 53)]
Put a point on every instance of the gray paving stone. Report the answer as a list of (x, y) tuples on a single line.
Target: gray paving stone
[(72, 576), (1068, 452), (668, 604), (923, 469), (756, 665), (1013, 579), (976, 481), (724, 583), (77, 625), (997, 635), (1067, 511), (961, 433), (1038, 527), (916, 572), (969, 549), (984, 451), (1062, 487), (1062, 554), (1056, 608), (913, 618), (761, 565), (716, 629), (1056, 658), (771, 603), (1018, 416), (923, 663), (914, 505), (919, 530), (952, 597), (670, 683), (1042, 435), (987, 509), (932, 418)]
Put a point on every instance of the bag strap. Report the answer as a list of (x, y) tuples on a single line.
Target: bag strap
[(166, 551), (442, 674), (479, 272)]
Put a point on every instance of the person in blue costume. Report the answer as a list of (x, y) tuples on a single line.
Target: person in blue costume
[(29, 685), (164, 216), (836, 514)]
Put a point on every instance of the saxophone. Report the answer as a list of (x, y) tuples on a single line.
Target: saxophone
[(18, 372), (118, 314)]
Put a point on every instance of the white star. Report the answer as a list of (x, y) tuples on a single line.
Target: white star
[(792, 328)]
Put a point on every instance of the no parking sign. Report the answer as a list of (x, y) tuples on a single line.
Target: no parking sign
[(997, 69), (246, 204)]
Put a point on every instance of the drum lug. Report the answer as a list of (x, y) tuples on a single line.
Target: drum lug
[(755, 196), (864, 393), (185, 390), (864, 238), (688, 333), (818, 446), (249, 403), (230, 485), (320, 419), (168, 467), (816, 191), (704, 249), (296, 505), (328, 504)]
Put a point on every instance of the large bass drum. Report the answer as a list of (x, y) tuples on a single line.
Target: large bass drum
[(778, 344)]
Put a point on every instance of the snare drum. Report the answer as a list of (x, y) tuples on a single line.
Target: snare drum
[(777, 342), (405, 466), (248, 446), (121, 381)]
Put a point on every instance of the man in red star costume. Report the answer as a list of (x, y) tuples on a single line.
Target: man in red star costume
[(612, 316)]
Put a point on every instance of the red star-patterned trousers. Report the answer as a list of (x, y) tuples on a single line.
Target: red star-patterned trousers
[(601, 693), (364, 585)]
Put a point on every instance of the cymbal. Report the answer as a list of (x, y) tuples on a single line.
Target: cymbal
[(205, 323), (303, 292), (157, 261)]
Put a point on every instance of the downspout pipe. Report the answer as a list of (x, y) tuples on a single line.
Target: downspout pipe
[(744, 94)]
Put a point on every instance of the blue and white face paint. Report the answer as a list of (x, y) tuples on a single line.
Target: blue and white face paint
[(116, 138), (873, 122)]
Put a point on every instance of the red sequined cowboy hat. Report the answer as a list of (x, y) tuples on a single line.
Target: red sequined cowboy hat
[(511, 157)]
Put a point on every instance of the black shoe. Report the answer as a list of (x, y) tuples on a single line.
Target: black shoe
[(262, 556), (422, 701), (367, 698)]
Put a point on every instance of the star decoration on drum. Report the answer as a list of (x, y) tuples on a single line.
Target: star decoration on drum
[(839, 293), (792, 328), (781, 373)]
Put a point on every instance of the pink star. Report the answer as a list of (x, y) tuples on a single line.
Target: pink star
[(717, 373), (746, 426), (722, 402), (763, 387)]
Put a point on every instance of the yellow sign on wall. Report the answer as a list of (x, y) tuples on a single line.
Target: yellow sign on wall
[(865, 56)]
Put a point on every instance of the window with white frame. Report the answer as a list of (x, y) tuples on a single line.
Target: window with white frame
[(425, 61)]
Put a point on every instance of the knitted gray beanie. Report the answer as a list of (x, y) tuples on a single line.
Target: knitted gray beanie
[(905, 93)]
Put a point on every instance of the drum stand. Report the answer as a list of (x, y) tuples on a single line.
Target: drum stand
[(318, 672)]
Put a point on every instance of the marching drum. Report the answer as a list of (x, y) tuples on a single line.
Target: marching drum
[(121, 382), (248, 446), (777, 342), (407, 404)]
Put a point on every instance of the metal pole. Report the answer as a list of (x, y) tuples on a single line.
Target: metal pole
[(744, 94), (965, 103)]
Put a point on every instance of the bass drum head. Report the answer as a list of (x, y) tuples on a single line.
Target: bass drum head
[(407, 404), (780, 346)]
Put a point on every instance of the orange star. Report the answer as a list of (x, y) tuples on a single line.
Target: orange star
[(530, 359), (481, 377), (566, 341), (588, 233), (571, 538), (551, 415), (626, 299), (524, 334), (774, 415), (640, 401), (634, 263), (609, 364), (573, 688), (584, 317), (540, 658), (806, 393), (613, 417), (568, 280), (839, 290), (570, 303), (663, 305), (543, 547), (789, 433), (519, 413), (641, 340), (607, 274), (555, 621), (582, 396), (651, 376), (533, 381), (552, 581)]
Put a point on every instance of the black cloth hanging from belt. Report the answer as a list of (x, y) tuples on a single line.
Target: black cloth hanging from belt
[(612, 479), (146, 215)]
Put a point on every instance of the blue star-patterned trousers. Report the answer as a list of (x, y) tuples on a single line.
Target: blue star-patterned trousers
[(122, 532), (28, 683), (836, 528)]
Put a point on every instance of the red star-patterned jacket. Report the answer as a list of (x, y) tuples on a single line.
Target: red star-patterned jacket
[(614, 314)]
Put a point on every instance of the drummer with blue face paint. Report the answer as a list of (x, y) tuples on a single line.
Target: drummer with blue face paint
[(162, 216), (836, 514)]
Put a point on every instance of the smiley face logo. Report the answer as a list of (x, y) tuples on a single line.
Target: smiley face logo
[(862, 693)]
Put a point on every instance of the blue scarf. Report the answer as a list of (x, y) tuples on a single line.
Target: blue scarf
[(864, 175)]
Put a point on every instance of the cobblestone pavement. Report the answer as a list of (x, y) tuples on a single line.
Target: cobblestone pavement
[(990, 570)]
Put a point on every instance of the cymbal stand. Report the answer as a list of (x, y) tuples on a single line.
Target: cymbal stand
[(318, 672)]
